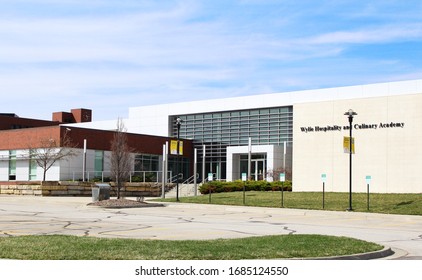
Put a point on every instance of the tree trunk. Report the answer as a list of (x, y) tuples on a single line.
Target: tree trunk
[(44, 175), (118, 190)]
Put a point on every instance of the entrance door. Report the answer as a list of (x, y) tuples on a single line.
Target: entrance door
[(258, 166), (258, 169)]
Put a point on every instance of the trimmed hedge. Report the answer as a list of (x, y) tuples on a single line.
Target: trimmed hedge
[(237, 186)]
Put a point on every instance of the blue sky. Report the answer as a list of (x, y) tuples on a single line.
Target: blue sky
[(108, 55)]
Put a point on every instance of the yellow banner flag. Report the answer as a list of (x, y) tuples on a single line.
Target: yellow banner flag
[(173, 147), (346, 145)]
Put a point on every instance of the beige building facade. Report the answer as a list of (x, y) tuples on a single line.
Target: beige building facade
[(387, 131)]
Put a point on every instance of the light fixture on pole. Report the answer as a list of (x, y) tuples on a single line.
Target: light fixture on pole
[(178, 123), (350, 115)]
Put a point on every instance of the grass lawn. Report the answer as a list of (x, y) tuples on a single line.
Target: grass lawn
[(61, 247), (406, 204)]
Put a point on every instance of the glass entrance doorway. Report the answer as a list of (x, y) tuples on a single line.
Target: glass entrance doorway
[(258, 169), (258, 166)]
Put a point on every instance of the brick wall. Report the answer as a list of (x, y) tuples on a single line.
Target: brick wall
[(9, 122), (21, 139)]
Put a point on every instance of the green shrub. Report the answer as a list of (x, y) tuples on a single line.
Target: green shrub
[(137, 179), (97, 179), (100, 179), (237, 186)]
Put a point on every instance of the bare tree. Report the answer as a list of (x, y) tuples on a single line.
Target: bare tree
[(49, 151), (121, 161), (274, 174)]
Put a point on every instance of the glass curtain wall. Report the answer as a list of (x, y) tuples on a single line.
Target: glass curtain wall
[(147, 167), (12, 165), (217, 130), (99, 163), (33, 166)]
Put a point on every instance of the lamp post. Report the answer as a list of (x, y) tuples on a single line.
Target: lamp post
[(350, 115), (84, 162), (178, 123)]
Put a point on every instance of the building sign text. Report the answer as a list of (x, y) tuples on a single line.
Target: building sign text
[(355, 126)]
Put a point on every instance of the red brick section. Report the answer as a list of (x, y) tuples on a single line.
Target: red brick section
[(17, 139), (82, 115), (63, 117), (21, 134), (75, 116), (140, 143), (7, 122)]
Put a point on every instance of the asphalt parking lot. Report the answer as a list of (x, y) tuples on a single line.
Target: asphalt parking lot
[(20, 215)]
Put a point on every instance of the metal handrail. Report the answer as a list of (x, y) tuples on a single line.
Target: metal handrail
[(191, 179), (173, 179)]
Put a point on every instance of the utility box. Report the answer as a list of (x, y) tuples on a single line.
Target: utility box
[(100, 192)]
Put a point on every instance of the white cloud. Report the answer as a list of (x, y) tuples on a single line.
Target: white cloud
[(150, 39), (377, 34), (137, 56)]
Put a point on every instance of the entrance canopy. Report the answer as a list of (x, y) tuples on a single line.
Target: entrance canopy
[(264, 159)]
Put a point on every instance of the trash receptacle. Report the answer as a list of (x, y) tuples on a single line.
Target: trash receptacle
[(95, 193), (100, 192)]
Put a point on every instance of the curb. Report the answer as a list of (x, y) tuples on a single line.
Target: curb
[(149, 205), (385, 252)]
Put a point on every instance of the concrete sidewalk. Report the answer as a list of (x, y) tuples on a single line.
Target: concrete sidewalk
[(21, 215)]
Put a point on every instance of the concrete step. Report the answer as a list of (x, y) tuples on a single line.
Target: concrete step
[(185, 190)]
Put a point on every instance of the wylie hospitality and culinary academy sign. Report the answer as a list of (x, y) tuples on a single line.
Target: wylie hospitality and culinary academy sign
[(360, 126)]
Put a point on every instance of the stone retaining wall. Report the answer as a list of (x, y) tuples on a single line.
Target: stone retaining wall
[(20, 188), (77, 189)]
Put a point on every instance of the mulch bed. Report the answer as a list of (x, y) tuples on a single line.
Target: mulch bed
[(123, 203)]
